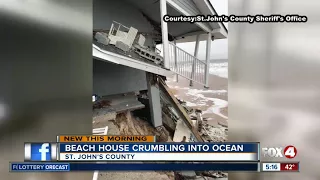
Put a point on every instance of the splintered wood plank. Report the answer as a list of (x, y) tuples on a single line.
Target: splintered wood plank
[(194, 123), (182, 132), (168, 123), (199, 121)]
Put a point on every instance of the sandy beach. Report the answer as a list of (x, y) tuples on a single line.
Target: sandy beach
[(212, 101)]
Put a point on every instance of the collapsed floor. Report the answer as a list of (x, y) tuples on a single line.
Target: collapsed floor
[(132, 117)]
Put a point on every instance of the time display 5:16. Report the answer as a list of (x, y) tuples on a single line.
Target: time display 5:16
[(271, 166)]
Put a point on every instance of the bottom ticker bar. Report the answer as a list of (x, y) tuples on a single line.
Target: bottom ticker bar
[(58, 167)]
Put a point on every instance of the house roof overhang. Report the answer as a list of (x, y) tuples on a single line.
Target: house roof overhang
[(181, 30)]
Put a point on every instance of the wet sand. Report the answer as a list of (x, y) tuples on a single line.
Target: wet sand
[(212, 101)]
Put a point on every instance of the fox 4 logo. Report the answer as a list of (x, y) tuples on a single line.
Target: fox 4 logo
[(276, 152)]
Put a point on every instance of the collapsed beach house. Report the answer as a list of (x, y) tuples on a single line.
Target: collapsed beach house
[(129, 71)]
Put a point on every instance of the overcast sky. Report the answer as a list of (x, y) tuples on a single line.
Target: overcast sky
[(219, 48)]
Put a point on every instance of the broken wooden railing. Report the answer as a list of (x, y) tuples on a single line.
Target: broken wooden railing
[(184, 119)]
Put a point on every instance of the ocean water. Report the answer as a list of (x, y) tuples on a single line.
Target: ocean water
[(201, 97), (219, 69)]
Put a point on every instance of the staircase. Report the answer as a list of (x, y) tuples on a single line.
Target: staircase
[(186, 65)]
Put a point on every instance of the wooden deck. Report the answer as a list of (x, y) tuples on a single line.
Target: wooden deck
[(112, 54)]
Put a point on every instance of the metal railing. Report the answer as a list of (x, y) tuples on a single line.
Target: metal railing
[(186, 65)]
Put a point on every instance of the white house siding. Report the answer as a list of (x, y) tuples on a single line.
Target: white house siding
[(109, 78), (106, 11)]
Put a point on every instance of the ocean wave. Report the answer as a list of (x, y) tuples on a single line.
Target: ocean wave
[(197, 98), (219, 69)]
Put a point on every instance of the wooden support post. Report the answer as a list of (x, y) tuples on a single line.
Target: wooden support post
[(154, 99), (196, 50), (199, 121), (176, 60), (209, 39), (164, 32)]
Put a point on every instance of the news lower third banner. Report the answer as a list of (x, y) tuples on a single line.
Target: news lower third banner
[(66, 167), (157, 152), (137, 148)]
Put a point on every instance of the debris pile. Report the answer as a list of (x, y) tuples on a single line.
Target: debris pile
[(207, 175), (213, 133), (131, 122), (210, 132), (212, 174)]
